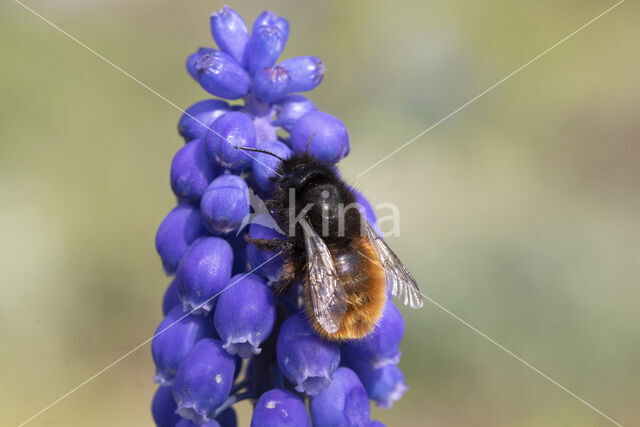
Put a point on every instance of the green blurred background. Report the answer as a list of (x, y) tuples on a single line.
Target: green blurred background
[(521, 213)]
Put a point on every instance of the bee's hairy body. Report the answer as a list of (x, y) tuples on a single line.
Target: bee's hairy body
[(339, 224), (363, 280)]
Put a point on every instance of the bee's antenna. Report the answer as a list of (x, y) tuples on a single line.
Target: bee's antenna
[(257, 150), (309, 143)]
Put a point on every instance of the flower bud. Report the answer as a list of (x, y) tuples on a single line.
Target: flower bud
[(280, 408), (191, 171), (262, 228), (307, 360), (197, 119), (270, 19), (272, 83), (225, 203), (343, 403), (171, 297), (230, 33), (382, 346), (330, 138), (234, 129), (245, 315), (203, 380), (220, 75), (178, 230), (203, 272), (290, 108), (384, 385), (306, 72), (265, 165), (265, 46), (193, 58), (297, 74), (175, 337), (163, 408)]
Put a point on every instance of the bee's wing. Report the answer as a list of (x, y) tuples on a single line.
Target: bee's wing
[(399, 281), (328, 297)]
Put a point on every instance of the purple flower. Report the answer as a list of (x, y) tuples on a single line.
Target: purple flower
[(306, 72), (226, 419), (171, 297), (245, 315), (384, 385), (259, 230), (382, 346), (268, 37), (297, 74), (178, 230), (290, 108), (343, 403), (280, 408), (375, 423), (265, 131), (330, 138), (191, 171), (272, 83), (163, 408), (265, 165), (203, 272), (220, 75), (225, 204), (175, 336), (197, 119), (234, 129), (193, 58), (307, 360), (222, 186), (203, 380), (230, 32), (270, 19)]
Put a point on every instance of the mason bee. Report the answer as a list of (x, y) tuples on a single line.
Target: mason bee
[(346, 267)]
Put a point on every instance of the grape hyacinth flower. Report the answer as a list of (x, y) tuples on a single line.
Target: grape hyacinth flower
[(203, 380), (174, 338), (343, 403), (203, 272), (307, 360), (163, 408), (227, 334), (280, 408), (245, 315)]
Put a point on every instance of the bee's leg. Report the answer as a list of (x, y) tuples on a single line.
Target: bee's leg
[(290, 275), (269, 245)]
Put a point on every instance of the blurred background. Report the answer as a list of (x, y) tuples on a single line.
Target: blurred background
[(520, 214)]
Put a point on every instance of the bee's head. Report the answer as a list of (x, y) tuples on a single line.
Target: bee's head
[(301, 174)]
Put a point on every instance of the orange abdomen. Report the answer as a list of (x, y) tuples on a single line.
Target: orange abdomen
[(363, 278)]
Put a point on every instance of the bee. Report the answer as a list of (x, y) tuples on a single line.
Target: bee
[(346, 267)]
